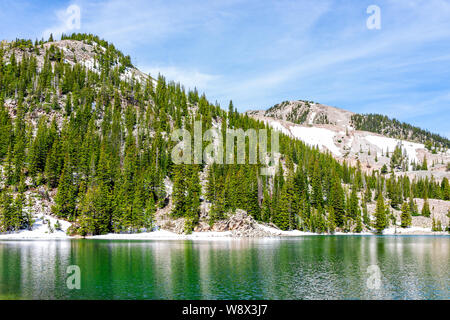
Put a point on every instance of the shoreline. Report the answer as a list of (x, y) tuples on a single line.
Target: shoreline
[(209, 235), (41, 231)]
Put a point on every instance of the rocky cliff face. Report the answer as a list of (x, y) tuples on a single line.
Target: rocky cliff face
[(307, 113)]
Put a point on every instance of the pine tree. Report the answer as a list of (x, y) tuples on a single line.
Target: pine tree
[(39, 149), (138, 209), (232, 189), (266, 210), (28, 217), (380, 215), (5, 130), (149, 214), (448, 216), (53, 164), (368, 194), (424, 163), (9, 167), (331, 220), (426, 208), (283, 211), (66, 195), (193, 200), (359, 226), (405, 216), (337, 201), (436, 226), (68, 106), (251, 195), (354, 211), (7, 212), (320, 223), (445, 189), (210, 193), (217, 211), (231, 114), (179, 192), (412, 205), (18, 219), (20, 145), (317, 196), (88, 213), (365, 218)]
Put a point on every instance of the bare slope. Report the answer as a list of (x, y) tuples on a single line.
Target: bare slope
[(332, 129)]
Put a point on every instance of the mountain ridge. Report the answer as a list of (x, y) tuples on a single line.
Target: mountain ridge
[(309, 112), (333, 129)]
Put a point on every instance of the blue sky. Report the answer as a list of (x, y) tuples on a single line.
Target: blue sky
[(259, 53)]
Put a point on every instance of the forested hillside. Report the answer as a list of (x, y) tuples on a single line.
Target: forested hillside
[(393, 128), (77, 119)]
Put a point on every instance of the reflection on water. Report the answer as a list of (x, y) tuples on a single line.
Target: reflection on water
[(314, 267)]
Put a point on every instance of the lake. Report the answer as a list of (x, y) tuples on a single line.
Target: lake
[(309, 267)]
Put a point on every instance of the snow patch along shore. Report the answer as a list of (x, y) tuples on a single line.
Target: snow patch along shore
[(41, 230), (41, 233), (411, 231), (231, 229)]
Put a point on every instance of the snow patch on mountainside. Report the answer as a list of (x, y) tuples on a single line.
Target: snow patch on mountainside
[(389, 143), (316, 136), (90, 65), (279, 127), (360, 147), (313, 136)]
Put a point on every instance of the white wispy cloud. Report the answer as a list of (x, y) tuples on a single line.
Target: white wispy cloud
[(427, 22), (139, 21), (69, 20)]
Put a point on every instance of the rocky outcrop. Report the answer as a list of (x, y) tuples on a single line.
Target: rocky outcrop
[(239, 224)]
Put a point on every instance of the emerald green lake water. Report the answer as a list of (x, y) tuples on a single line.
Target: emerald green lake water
[(310, 267)]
